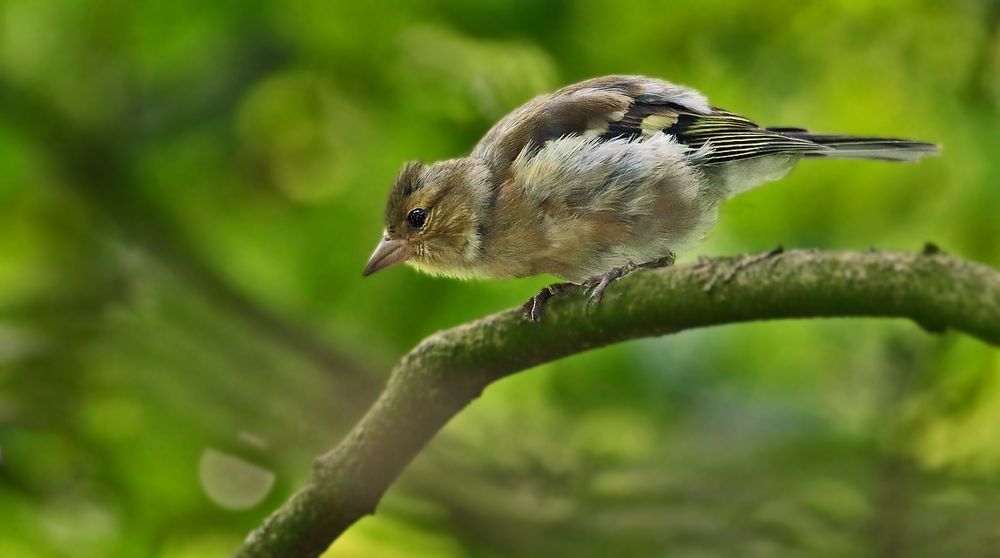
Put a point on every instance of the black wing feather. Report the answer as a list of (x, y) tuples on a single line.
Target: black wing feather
[(719, 137), (724, 136)]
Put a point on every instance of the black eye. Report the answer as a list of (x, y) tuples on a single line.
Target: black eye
[(416, 217)]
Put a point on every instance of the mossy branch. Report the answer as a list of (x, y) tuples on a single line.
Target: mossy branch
[(451, 368)]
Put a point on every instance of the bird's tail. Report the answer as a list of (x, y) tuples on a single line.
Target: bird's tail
[(862, 147)]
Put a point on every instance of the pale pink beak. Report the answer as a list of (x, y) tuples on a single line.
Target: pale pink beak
[(390, 251)]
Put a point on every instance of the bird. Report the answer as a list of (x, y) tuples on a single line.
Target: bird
[(592, 182)]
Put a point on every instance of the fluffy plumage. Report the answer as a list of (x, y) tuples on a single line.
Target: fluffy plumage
[(596, 177)]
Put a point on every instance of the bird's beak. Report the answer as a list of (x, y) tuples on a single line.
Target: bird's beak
[(390, 251)]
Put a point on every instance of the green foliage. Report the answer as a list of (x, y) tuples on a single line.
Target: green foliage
[(165, 305)]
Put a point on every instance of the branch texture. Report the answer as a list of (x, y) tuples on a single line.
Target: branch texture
[(451, 368)]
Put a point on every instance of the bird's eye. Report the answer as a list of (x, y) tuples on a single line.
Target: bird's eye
[(416, 217)]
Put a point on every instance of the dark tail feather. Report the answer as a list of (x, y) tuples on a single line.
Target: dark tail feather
[(859, 147)]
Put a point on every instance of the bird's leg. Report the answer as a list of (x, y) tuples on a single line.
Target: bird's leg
[(534, 309), (596, 285), (665, 261)]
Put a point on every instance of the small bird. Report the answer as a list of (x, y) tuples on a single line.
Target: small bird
[(592, 182)]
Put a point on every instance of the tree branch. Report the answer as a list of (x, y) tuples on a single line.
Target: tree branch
[(451, 368)]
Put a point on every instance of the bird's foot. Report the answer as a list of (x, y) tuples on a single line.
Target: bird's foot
[(597, 284), (534, 309)]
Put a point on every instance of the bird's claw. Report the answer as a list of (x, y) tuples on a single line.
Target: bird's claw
[(595, 286), (534, 308)]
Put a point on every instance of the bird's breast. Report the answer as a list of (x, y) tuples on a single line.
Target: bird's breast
[(580, 208)]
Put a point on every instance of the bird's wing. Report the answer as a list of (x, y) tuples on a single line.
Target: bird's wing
[(633, 107), (722, 136), (716, 137), (589, 108)]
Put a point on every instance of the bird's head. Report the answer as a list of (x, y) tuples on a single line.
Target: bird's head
[(434, 218)]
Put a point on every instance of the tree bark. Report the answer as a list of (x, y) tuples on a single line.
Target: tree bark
[(449, 369)]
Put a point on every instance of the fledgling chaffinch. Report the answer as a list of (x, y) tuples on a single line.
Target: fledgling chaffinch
[(592, 182)]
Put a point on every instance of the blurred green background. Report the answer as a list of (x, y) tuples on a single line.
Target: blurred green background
[(189, 190)]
